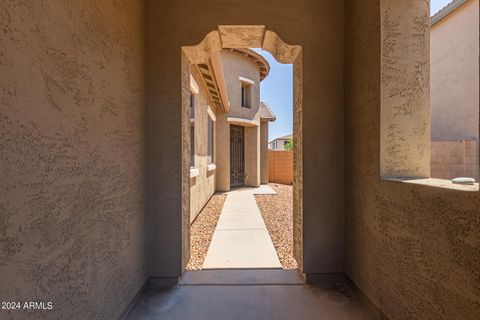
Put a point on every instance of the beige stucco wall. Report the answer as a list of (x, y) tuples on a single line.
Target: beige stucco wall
[(252, 156), (235, 66), (72, 110), (405, 114), (72, 139), (454, 74), (202, 186), (414, 250), (222, 145), (263, 152)]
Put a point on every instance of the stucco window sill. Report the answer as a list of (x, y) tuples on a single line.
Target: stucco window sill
[(437, 183), (194, 172), (211, 167)]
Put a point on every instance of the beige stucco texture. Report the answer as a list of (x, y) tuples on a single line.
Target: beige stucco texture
[(454, 63), (252, 156), (414, 250), (95, 169), (264, 152), (405, 112), (72, 159), (233, 69), (222, 146), (236, 66)]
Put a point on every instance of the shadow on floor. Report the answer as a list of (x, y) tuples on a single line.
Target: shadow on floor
[(248, 294)]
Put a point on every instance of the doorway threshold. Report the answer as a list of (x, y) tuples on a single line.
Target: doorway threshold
[(242, 277)]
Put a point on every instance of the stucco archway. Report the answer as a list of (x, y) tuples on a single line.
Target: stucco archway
[(244, 37), (321, 116)]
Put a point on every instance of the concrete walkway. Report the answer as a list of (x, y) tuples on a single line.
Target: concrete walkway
[(241, 239)]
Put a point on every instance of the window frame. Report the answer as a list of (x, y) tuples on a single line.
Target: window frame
[(246, 86), (210, 137), (194, 90), (192, 130), (246, 93)]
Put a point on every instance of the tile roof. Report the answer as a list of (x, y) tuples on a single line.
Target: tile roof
[(265, 112), (287, 137), (445, 11)]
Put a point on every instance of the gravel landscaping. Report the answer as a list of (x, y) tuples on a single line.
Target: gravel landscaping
[(277, 212), (201, 231)]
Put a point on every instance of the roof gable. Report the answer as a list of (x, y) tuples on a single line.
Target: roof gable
[(445, 11)]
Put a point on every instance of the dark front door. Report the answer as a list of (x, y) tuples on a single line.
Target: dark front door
[(237, 156)]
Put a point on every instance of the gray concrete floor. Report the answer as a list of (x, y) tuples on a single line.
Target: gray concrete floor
[(250, 295)]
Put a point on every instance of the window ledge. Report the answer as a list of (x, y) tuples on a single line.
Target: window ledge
[(211, 167), (194, 172), (438, 183)]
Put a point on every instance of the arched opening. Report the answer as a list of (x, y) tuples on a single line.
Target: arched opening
[(205, 55)]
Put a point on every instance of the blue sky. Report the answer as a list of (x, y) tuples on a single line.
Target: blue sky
[(436, 5), (277, 91), (277, 88)]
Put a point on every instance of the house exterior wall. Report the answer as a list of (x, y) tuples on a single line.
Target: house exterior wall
[(235, 66), (202, 186), (264, 152), (222, 145), (412, 249), (252, 156), (454, 77), (72, 182)]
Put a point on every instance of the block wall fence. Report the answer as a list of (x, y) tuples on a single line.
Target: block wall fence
[(280, 166), (450, 159)]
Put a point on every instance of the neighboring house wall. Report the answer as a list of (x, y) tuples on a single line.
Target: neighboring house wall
[(72, 182), (450, 159), (252, 156), (280, 166), (454, 66), (278, 144), (235, 66), (454, 81), (202, 186)]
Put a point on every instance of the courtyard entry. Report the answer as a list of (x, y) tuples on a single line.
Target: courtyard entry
[(237, 156), (234, 214)]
